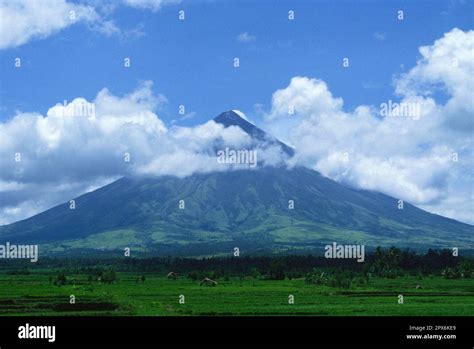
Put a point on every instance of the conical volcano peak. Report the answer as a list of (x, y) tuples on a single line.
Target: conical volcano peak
[(234, 118)]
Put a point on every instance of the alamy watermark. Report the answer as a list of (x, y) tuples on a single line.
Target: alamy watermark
[(237, 156), (77, 108), (402, 109), (345, 251), (12, 251), (37, 332)]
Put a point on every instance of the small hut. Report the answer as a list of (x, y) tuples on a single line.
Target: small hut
[(172, 275), (207, 282)]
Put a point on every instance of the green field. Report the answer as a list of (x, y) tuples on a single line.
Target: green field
[(34, 294)]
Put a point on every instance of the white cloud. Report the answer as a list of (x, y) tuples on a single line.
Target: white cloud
[(305, 96), (81, 145), (25, 20), (23, 200), (78, 145), (154, 5), (446, 66), (404, 156), (379, 36), (246, 37)]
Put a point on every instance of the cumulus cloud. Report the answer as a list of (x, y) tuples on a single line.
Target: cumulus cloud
[(446, 66), (422, 153), (25, 20), (82, 145)]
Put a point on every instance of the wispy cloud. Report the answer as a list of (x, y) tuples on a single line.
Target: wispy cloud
[(246, 38), (23, 21), (379, 36), (153, 5)]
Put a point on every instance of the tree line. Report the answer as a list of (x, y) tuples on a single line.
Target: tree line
[(384, 262)]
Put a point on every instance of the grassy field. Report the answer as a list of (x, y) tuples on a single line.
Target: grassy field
[(158, 296)]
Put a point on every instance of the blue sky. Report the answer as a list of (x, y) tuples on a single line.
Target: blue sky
[(191, 63), (425, 60)]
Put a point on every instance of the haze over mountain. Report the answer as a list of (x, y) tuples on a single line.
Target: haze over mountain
[(246, 208)]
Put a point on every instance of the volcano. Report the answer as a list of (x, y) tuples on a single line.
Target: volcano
[(269, 209)]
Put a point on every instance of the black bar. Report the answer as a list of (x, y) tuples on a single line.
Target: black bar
[(348, 330)]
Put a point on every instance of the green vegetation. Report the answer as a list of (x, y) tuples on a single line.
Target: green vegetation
[(248, 209), (158, 295), (432, 284)]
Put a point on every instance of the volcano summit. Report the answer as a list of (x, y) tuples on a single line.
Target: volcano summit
[(263, 210)]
